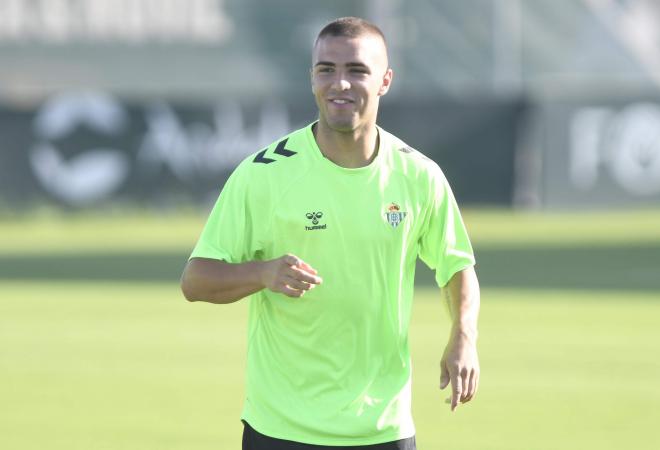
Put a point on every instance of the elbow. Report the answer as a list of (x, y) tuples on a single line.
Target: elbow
[(194, 290), (199, 284), (188, 288), (187, 292)]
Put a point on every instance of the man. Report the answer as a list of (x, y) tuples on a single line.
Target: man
[(322, 229)]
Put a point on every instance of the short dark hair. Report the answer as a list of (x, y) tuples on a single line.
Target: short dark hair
[(350, 27)]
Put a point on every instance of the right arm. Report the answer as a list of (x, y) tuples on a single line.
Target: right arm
[(216, 281)]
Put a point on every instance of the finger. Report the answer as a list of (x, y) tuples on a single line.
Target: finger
[(291, 292), (469, 391), (298, 285), (444, 375), (476, 383), (307, 267), (457, 389), (464, 376), (468, 382), (292, 260), (301, 266), (300, 274)]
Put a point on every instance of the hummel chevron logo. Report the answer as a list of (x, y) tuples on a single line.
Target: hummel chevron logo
[(260, 158), (315, 216), (279, 150)]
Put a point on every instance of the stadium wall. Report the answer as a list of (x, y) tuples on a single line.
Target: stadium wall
[(90, 149), (599, 152)]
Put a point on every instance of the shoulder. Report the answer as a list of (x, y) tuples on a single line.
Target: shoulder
[(418, 169), (282, 156), (410, 161), (273, 169)]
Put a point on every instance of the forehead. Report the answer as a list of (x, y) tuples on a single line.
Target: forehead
[(368, 49)]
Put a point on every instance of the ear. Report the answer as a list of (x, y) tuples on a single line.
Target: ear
[(387, 81)]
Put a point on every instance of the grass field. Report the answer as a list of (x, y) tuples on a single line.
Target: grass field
[(98, 350)]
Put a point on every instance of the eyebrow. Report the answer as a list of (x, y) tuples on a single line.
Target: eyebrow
[(349, 64)]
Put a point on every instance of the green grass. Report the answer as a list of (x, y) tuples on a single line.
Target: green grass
[(117, 366), (488, 228), (522, 229), (133, 366), (560, 370), (98, 350)]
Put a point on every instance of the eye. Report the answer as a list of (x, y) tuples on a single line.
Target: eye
[(324, 69)]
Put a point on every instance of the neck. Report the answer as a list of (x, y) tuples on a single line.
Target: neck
[(352, 149)]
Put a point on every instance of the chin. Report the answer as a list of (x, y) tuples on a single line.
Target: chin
[(343, 126)]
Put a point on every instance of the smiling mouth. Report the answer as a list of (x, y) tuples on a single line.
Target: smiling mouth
[(340, 101)]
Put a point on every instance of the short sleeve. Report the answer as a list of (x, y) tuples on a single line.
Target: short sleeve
[(230, 233), (444, 244)]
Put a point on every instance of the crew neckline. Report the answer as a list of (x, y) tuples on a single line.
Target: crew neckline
[(373, 165)]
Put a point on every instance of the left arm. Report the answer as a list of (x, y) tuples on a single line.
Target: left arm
[(460, 363)]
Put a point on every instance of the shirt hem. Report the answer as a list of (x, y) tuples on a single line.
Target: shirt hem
[(305, 439)]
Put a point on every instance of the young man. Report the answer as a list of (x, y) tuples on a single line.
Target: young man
[(322, 229)]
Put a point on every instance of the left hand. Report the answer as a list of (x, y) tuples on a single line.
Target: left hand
[(460, 365)]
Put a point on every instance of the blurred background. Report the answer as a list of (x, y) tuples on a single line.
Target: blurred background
[(530, 104), (121, 120)]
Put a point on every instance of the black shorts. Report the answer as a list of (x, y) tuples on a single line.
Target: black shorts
[(253, 440)]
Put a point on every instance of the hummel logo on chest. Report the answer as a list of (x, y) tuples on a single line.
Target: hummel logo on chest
[(315, 217)]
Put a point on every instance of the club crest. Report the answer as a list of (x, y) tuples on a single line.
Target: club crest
[(394, 215)]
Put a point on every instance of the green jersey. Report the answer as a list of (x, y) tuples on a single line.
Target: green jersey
[(333, 367)]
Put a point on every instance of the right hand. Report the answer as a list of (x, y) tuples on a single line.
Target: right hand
[(289, 275)]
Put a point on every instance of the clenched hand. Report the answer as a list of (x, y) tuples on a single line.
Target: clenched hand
[(289, 275)]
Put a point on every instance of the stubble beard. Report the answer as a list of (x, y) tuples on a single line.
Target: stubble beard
[(341, 124)]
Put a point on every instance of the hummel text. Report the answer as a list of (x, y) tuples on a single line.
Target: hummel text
[(316, 227)]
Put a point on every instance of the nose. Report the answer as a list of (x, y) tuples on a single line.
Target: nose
[(340, 83)]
